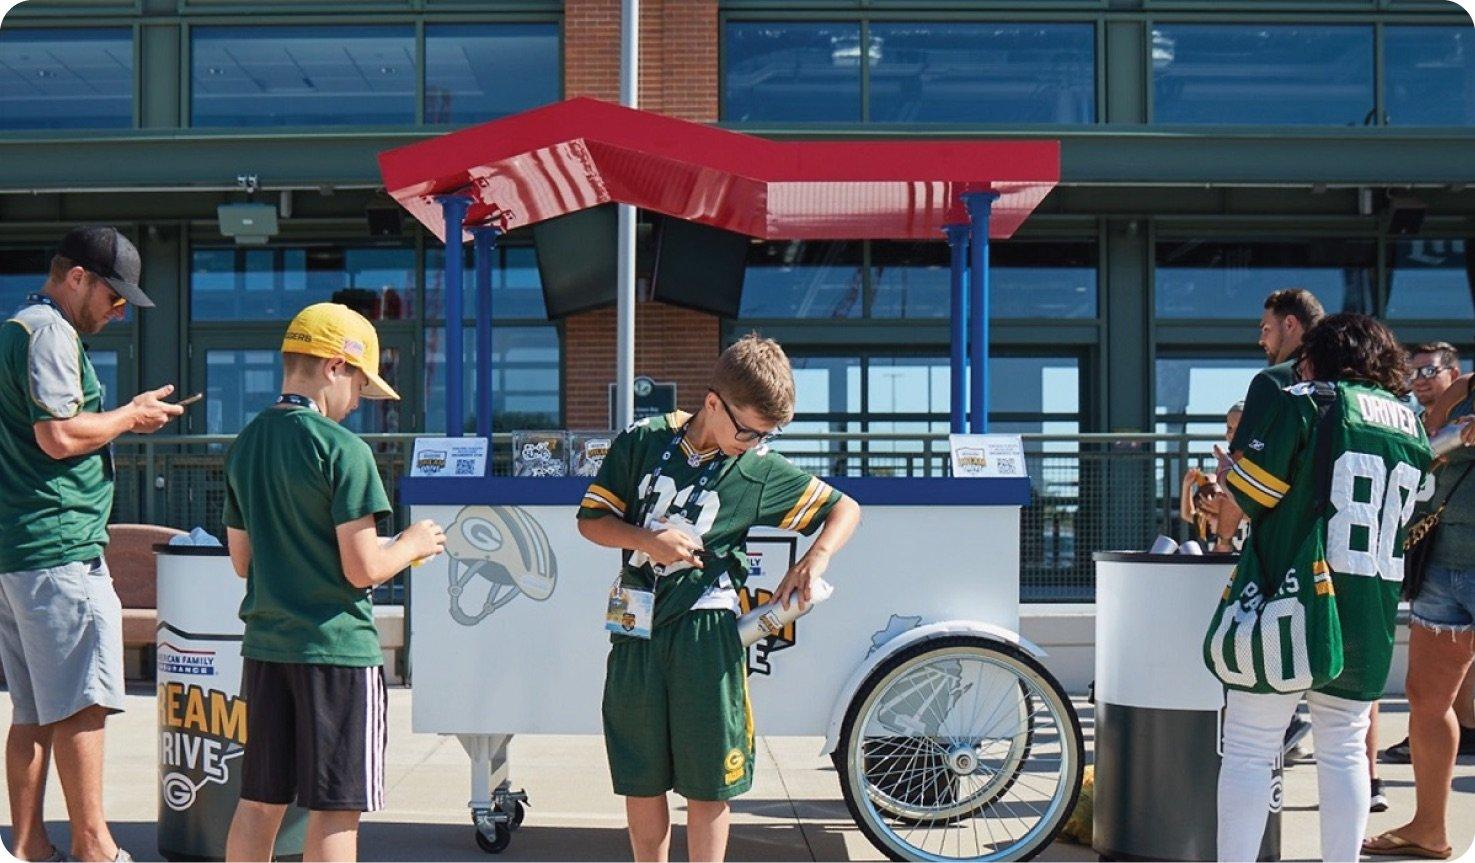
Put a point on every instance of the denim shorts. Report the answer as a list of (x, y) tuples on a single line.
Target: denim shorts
[(1446, 601)]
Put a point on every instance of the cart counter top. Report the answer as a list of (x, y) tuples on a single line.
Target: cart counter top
[(876, 491)]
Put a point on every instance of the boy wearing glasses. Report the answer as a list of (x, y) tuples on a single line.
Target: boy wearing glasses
[(678, 494)]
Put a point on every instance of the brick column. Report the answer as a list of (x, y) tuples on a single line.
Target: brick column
[(678, 77)]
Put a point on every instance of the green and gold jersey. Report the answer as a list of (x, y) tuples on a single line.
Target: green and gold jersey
[(52, 511), (1341, 532), (760, 487), (1265, 390)]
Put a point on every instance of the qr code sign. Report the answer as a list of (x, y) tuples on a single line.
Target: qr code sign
[(465, 467), (1009, 465)]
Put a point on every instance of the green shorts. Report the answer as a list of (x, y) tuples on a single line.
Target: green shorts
[(676, 710)]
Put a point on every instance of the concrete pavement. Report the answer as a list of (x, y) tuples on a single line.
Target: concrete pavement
[(795, 811)]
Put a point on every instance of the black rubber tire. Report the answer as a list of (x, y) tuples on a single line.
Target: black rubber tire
[(1012, 654), (518, 813), (501, 838)]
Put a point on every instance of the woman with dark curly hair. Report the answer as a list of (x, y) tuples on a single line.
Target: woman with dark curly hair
[(1328, 478)]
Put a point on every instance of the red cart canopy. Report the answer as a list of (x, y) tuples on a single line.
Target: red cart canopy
[(581, 153)]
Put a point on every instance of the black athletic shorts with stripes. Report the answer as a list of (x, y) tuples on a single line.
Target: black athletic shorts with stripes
[(315, 734)]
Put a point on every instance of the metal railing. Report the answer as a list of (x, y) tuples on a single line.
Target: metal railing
[(1089, 492)]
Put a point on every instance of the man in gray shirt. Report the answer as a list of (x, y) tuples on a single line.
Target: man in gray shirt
[(61, 634)]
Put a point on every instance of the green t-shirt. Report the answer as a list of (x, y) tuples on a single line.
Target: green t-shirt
[(51, 511), (760, 488), (1376, 458), (293, 476)]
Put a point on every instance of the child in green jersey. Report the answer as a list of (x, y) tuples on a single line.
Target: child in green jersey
[(678, 494), (303, 497)]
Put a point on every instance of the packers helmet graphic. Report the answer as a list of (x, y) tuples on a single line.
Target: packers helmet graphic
[(506, 548)]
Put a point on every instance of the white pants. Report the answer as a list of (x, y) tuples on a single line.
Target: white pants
[(1254, 731)]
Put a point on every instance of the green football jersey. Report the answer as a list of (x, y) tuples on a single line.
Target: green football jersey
[(760, 487), (1343, 531), (1265, 389)]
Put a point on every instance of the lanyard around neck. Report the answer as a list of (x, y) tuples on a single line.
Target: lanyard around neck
[(709, 477), (299, 401)]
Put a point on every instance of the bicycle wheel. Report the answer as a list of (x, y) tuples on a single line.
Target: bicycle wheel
[(960, 748)]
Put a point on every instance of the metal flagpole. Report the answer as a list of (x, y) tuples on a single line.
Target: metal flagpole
[(625, 293)]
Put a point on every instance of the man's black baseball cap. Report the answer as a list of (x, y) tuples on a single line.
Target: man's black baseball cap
[(108, 254)]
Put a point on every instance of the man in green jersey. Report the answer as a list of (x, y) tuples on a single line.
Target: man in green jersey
[(1328, 475), (61, 626), (678, 494), (303, 497), (1289, 314)]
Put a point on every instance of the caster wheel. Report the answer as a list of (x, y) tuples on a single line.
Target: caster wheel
[(518, 814), (497, 843)]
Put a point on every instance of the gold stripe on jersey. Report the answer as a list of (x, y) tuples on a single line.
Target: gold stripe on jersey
[(791, 518), (821, 495), (1250, 488), (598, 497), (1251, 473), (1272, 483)]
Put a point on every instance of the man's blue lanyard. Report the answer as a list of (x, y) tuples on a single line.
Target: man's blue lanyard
[(43, 300), (299, 401), (709, 477)]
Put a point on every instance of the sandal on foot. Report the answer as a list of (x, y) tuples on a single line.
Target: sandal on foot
[(1390, 844)]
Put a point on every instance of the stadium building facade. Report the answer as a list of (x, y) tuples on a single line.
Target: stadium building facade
[(1211, 152)]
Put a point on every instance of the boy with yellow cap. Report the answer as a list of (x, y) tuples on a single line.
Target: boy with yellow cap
[(303, 496)]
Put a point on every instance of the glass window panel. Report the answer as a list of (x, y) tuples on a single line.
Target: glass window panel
[(1262, 74), (791, 72), (468, 67), (74, 78), (1431, 279), (803, 280), (1230, 279), (1194, 394), (105, 364), (937, 72), (22, 272), (1429, 75), (525, 378), (302, 76), (237, 284), (1026, 280), (239, 384), (517, 289)]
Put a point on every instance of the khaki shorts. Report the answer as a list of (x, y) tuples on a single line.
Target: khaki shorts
[(61, 641)]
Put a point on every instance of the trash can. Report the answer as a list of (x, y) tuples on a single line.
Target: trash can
[(201, 715), (1158, 709)]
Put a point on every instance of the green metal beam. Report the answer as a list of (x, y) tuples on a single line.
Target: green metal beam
[(1147, 158)]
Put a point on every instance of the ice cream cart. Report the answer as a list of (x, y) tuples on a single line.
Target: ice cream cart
[(950, 737)]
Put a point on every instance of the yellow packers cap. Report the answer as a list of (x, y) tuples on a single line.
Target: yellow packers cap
[(331, 330)]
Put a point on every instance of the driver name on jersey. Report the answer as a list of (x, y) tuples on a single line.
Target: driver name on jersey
[(1349, 546), (760, 488)]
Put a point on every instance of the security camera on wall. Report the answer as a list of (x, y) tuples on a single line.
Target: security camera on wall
[(248, 224)]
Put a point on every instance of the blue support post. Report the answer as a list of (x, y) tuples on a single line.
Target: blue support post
[(957, 241), (454, 208), (483, 239), (980, 206)]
